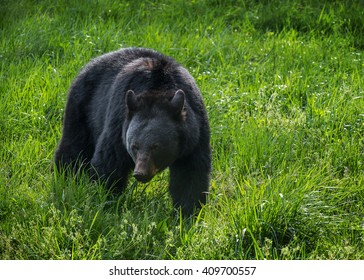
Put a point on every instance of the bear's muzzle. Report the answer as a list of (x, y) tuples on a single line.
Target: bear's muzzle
[(145, 169)]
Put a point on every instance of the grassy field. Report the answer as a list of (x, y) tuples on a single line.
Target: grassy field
[(283, 82)]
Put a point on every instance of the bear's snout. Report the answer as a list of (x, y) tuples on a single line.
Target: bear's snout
[(144, 169), (142, 177)]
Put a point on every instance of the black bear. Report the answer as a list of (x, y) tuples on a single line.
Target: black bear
[(138, 109)]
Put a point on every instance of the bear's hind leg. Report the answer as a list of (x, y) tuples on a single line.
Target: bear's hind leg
[(76, 146), (73, 150)]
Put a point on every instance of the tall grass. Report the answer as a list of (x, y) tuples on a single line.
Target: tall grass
[(283, 84)]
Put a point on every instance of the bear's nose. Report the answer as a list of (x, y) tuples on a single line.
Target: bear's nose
[(142, 177)]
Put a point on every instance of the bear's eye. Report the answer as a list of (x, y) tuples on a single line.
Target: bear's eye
[(154, 147), (134, 147)]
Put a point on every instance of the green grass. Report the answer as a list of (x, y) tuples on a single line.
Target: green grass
[(283, 84)]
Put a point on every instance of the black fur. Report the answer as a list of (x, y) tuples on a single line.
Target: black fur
[(138, 109)]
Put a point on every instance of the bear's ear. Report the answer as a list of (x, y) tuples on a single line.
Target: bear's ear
[(178, 101), (131, 101)]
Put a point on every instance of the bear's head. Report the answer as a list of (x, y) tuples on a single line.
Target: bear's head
[(152, 137)]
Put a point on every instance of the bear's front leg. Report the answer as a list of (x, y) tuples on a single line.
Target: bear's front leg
[(111, 162), (189, 181)]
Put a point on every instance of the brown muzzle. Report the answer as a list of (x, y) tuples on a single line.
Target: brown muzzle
[(144, 169)]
